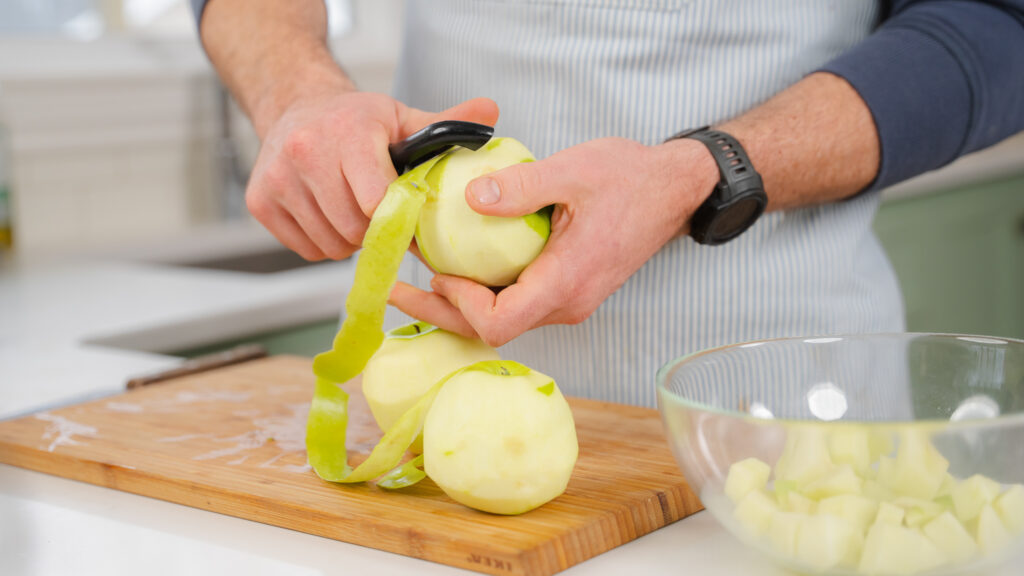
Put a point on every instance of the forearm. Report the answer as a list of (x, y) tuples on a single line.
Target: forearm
[(814, 142), (269, 53), (942, 78)]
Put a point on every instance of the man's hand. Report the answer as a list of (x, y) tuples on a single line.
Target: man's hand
[(617, 202), (323, 166)]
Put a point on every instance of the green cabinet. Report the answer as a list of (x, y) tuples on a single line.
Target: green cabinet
[(959, 256)]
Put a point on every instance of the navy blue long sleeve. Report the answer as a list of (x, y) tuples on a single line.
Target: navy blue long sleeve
[(942, 78)]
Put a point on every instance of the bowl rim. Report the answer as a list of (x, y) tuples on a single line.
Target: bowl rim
[(1011, 419)]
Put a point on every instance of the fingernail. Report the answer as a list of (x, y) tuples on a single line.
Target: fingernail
[(486, 191)]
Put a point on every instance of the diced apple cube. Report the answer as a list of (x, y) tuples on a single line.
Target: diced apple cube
[(880, 443), (783, 531), (805, 456), (782, 489), (744, 476), (971, 495), (825, 541), (946, 488), (877, 492), (895, 550), (918, 511), (797, 502), (840, 480), (858, 510), (754, 511), (918, 469), (946, 532), (1010, 507), (890, 514), (992, 536), (849, 445), (946, 501), (887, 471)]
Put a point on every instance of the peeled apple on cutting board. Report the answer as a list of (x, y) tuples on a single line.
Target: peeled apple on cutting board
[(839, 500), (411, 359), (495, 435)]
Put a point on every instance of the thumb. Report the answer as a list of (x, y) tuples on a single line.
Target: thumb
[(517, 190), (479, 110)]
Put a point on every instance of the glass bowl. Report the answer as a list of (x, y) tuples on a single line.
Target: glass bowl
[(869, 454)]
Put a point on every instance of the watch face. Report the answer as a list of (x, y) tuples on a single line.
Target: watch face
[(735, 218)]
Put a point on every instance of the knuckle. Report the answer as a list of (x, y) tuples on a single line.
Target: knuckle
[(259, 204), (524, 179), (299, 146), (273, 180)]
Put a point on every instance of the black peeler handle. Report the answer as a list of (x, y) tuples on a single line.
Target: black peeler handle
[(436, 139)]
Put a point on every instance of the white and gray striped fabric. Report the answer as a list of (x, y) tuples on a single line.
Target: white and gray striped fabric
[(567, 71)]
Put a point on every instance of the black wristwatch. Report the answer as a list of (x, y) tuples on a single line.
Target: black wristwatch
[(738, 199)]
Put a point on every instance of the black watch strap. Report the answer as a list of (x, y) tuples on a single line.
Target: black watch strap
[(733, 163), (738, 199)]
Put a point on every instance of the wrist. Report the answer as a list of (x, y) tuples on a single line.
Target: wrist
[(312, 81), (814, 142), (692, 175)]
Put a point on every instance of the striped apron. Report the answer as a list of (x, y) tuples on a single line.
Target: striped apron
[(567, 71)]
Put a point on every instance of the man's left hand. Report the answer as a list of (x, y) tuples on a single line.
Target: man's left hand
[(617, 202)]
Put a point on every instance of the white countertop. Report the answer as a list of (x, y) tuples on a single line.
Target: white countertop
[(64, 329)]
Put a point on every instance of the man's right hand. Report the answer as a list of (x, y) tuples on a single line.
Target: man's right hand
[(324, 166)]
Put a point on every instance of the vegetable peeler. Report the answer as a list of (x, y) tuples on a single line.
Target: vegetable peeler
[(436, 139)]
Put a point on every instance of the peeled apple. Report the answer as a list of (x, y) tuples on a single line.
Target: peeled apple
[(456, 240), (500, 438), (411, 360), (837, 500)]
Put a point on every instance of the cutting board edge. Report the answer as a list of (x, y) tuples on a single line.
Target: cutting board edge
[(545, 558), (198, 496)]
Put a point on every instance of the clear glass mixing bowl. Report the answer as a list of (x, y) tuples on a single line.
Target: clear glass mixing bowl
[(833, 437)]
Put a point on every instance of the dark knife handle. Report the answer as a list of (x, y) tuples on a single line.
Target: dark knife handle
[(236, 355), (436, 139)]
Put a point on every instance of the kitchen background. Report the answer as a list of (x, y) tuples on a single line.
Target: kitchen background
[(117, 142)]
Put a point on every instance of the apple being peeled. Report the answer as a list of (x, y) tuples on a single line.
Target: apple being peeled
[(500, 437), (456, 240), (411, 359)]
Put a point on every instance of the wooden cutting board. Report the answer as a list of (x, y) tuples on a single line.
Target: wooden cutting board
[(231, 441)]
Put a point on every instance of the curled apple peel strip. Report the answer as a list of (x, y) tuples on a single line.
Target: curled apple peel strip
[(389, 450), (387, 238), (404, 475)]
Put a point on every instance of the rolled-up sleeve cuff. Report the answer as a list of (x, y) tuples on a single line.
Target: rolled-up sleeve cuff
[(910, 81)]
